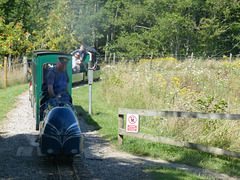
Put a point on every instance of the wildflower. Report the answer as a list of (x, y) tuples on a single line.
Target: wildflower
[(176, 79), (1, 66), (224, 56), (157, 75)]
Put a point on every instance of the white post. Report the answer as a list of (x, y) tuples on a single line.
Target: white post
[(90, 82)]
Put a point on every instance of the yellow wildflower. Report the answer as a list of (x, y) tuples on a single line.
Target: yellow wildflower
[(176, 79), (158, 75)]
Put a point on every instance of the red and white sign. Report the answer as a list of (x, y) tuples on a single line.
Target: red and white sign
[(132, 123)]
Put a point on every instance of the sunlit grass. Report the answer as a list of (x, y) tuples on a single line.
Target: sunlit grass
[(8, 97), (170, 173)]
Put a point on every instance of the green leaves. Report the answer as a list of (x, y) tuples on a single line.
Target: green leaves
[(134, 27), (211, 105)]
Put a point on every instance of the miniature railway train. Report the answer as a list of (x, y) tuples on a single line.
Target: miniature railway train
[(60, 132)]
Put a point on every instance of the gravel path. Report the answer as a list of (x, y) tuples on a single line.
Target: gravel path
[(20, 157)]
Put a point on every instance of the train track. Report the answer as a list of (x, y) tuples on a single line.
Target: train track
[(60, 169)]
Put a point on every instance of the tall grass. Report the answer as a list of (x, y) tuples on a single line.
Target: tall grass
[(167, 84), (14, 77)]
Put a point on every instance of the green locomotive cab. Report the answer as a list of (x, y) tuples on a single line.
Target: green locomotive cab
[(82, 76), (42, 60)]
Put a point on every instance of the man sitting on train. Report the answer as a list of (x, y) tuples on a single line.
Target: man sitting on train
[(83, 54), (76, 63), (56, 81)]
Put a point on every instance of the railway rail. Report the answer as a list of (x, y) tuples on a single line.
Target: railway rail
[(60, 169)]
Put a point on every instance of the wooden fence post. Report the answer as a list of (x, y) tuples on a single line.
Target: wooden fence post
[(5, 72), (25, 68), (230, 57), (110, 58), (120, 125), (191, 59), (114, 57), (105, 58), (151, 60)]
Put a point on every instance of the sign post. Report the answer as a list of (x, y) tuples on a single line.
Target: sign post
[(90, 82), (132, 123)]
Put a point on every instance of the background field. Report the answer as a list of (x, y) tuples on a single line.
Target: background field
[(200, 86)]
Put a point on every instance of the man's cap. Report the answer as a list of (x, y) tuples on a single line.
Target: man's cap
[(63, 59)]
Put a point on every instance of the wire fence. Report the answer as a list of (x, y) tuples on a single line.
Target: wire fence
[(112, 58), (13, 64)]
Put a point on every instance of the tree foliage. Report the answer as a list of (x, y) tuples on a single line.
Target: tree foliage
[(136, 27)]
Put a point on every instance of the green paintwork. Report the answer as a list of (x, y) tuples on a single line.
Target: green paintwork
[(38, 59)]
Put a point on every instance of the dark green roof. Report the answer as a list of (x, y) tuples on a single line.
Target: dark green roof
[(48, 52)]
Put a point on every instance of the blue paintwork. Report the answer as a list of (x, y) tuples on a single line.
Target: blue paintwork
[(60, 131)]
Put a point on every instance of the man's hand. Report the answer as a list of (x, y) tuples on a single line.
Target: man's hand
[(50, 91)]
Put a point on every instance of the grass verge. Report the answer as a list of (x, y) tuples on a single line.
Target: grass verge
[(105, 118), (169, 173), (8, 97)]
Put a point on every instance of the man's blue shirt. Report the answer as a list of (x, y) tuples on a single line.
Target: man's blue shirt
[(59, 81)]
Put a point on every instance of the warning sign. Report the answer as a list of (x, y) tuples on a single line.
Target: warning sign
[(132, 123)]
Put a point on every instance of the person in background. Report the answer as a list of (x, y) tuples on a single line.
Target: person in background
[(83, 53), (76, 63)]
